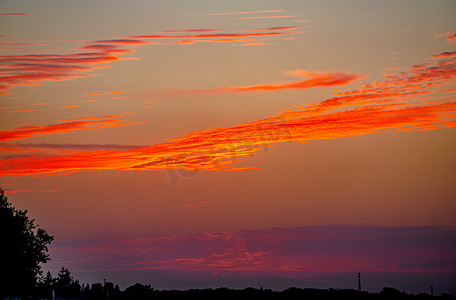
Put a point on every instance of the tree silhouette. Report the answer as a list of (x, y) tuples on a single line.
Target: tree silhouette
[(46, 285), (24, 247), (139, 291), (65, 285)]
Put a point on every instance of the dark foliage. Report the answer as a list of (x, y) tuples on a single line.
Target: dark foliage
[(107, 291), (141, 291), (24, 247)]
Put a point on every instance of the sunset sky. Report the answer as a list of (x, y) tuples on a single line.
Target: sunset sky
[(194, 144)]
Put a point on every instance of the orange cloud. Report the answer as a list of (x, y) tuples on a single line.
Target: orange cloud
[(34, 69), (229, 40), (14, 14), (212, 35), (105, 49), (394, 104), (266, 17), (22, 44), (22, 110), (217, 149), (13, 191), (450, 36), (77, 147), (316, 79), (187, 30), (30, 69), (444, 54), (182, 42), (90, 118), (197, 204), (10, 107), (70, 106), (30, 131), (244, 12), (253, 44), (279, 28), (29, 50), (101, 94), (122, 42)]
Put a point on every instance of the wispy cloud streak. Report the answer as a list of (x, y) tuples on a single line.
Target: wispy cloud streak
[(212, 35), (37, 67), (314, 79), (30, 131), (296, 252), (79, 147), (33, 69), (450, 36), (14, 14), (244, 12), (398, 103), (444, 54), (266, 17)]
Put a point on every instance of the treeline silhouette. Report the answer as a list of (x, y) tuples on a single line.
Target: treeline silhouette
[(65, 287), (25, 246)]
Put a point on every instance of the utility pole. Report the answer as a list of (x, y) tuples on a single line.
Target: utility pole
[(359, 282)]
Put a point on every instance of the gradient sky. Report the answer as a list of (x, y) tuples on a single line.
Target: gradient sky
[(192, 144)]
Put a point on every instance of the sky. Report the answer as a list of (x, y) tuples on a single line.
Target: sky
[(195, 144)]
